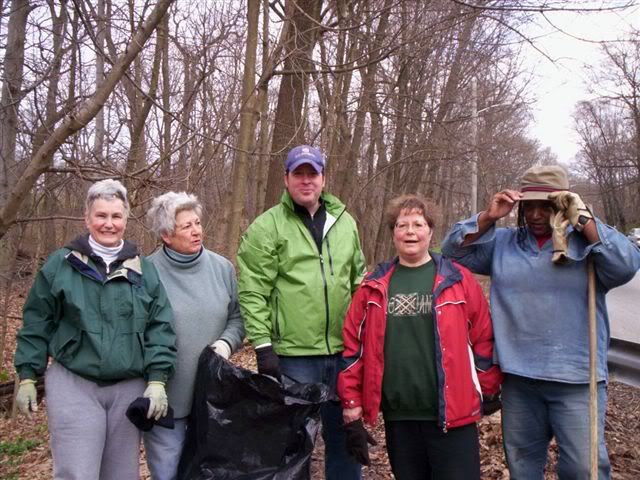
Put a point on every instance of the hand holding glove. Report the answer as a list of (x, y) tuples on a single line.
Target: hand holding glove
[(268, 361), (491, 404), (358, 441), (573, 208), (158, 402), (222, 348), (559, 226), (27, 397)]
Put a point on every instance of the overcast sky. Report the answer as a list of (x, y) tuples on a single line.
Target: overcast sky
[(559, 86)]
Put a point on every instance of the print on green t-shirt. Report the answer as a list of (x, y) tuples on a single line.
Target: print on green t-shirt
[(409, 384)]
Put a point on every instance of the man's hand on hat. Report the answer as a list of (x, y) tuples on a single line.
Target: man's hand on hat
[(572, 207), (158, 402), (501, 204)]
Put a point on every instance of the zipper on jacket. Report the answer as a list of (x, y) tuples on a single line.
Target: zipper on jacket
[(330, 258), (324, 276), (277, 323), (326, 303), (438, 335)]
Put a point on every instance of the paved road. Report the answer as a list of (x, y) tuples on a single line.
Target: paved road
[(624, 310)]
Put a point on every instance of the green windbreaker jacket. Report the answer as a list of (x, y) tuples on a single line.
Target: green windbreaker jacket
[(104, 328), (292, 295)]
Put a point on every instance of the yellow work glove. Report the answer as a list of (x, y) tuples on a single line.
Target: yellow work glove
[(559, 226), (158, 401), (27, 397), (573, 208)]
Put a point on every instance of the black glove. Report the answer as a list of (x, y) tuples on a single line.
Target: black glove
[(268, 362), (357, 440), (491, 404)]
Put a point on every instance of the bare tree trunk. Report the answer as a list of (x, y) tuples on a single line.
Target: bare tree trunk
[(50, 119), (420, 173), (247, 125), (165, 151), (137, 150), (348, 173), (73, 123), (98, 146), (261, 154), (181, 167), (288, 123), (383, 237), (11, 91)]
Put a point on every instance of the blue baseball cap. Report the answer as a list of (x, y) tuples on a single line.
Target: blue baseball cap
[(304, 154)]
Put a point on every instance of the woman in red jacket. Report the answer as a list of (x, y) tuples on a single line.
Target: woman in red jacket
[(419, 346)]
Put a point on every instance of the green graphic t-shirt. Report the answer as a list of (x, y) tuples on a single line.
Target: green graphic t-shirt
[(409, 384)]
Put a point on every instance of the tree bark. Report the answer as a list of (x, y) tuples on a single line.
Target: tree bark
[(288, 130), (247, 126), (74, 122), (12, 91)]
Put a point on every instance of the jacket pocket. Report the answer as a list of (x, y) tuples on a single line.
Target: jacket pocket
[(138, 310), (126, 358), (65, 342)]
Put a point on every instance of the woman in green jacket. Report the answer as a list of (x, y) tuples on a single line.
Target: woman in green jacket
[(100, 312)]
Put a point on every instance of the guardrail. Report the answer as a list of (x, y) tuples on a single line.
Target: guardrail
[(624, 362)]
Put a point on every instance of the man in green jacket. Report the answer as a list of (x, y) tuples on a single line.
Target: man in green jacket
[(299, 264)]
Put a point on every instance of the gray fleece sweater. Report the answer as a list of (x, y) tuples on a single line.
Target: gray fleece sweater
[(204, 296)]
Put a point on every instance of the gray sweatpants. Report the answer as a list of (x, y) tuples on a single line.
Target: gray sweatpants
[(91, 437)]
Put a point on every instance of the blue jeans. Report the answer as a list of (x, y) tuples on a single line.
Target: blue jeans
[(324, 369), (534, 411), (164, 447)]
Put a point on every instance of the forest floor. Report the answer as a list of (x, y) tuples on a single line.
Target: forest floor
[(24, 448)]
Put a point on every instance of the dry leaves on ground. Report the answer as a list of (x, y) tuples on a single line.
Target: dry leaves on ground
[(24, 449)]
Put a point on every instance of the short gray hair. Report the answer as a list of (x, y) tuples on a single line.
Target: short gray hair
[(107, 190), (163, 211)]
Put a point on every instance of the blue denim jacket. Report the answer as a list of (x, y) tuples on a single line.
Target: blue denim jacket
[(539, 309)]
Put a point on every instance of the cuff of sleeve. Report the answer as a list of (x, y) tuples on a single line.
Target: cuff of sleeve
[(26, 373), (351, 403), (471, 226), (157, 376), (222, 348), (263, 342)]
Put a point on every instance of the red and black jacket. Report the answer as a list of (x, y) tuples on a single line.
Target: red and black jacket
[(463, 344)]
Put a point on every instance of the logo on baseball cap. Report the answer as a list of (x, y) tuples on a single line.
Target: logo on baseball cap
[(305, 154)]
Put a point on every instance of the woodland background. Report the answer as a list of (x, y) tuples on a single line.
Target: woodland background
[(208, 96)]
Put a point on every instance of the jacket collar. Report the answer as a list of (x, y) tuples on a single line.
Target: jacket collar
[(446, 269), (81, 244), (80, 253), (331, 203)]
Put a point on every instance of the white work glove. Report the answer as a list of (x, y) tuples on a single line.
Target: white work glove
[(559, 226), (27, 397), (222, 348), (573, 208), (158, 401)]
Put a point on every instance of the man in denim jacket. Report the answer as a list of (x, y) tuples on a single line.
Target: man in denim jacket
[(540, 317)]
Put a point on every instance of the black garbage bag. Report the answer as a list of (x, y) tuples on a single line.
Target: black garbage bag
[(244, 425)]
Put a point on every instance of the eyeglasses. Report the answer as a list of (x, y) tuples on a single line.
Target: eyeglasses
[(404, 227)]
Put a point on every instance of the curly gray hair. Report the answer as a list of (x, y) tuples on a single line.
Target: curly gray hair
[(163, 211), (107, 190)]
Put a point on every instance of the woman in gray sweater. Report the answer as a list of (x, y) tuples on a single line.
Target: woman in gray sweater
[(201, 286)]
